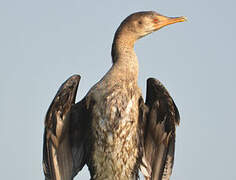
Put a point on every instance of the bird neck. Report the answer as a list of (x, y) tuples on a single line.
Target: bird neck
[(123, 56)]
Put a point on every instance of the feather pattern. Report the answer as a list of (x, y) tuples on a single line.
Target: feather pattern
[(57, 151), (159, 132)]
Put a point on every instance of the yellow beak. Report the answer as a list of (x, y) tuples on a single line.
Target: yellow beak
[(164, 21)]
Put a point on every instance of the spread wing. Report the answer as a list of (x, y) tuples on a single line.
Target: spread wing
[(159, 132), (63, 157)]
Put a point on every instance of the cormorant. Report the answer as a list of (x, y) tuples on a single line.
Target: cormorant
[(112, 129)]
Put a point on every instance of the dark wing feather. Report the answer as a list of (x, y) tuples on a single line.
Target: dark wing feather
[(58, 148), (159, 132), (79, 134)]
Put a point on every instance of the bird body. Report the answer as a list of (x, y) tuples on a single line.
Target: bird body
[(115, 134), (112, 130), (115, 115)]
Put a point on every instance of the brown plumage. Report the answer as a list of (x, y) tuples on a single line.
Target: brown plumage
[(112, 130)]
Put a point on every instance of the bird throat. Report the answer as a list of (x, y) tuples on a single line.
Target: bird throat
[(125, 61)]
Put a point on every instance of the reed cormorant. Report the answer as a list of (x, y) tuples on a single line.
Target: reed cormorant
[(112, 129)]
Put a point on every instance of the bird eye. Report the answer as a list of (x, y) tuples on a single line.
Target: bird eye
[(155, 20), (140, 22)]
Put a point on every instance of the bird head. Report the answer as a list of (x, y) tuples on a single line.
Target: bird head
[(143, 23)]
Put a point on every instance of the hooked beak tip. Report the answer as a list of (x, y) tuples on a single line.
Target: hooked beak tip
[(184, 18)]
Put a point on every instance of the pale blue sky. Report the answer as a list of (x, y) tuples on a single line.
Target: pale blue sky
[(43, 42)]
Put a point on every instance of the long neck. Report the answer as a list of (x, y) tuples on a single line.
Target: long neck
[(123, 56)]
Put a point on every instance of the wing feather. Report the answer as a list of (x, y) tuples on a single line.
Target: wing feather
[(159, 131), (58, 148), (79, 134)]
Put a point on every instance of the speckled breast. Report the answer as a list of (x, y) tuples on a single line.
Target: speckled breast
[(115, 132)]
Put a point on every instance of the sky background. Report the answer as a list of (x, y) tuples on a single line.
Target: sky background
[(44, 42)]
